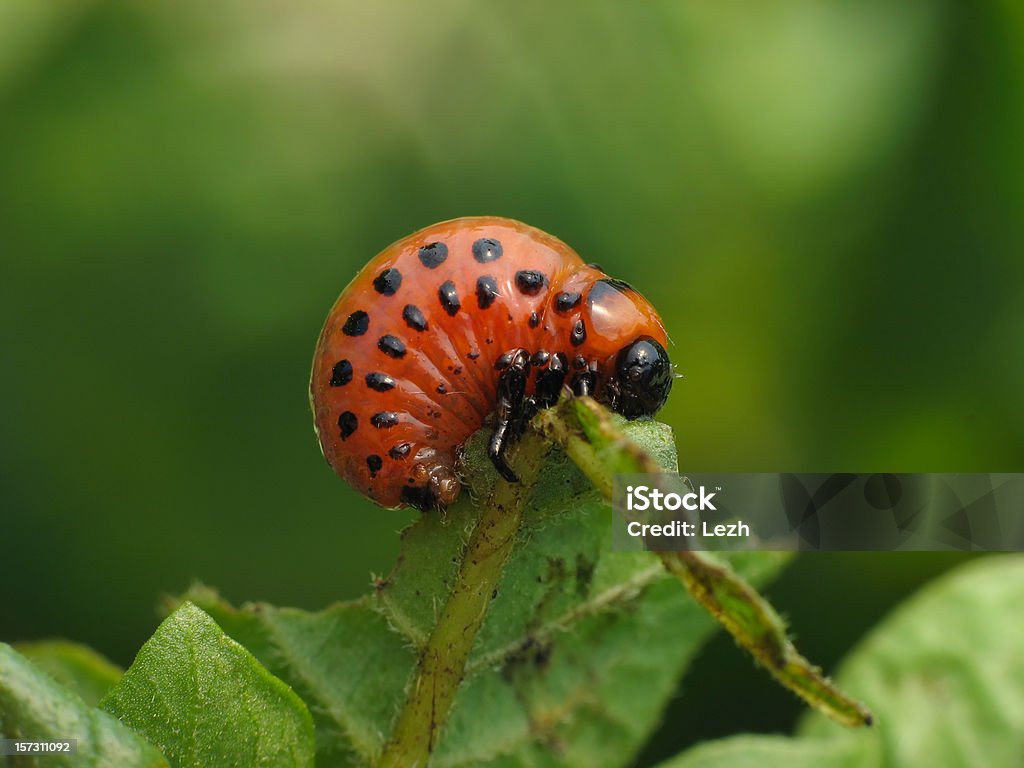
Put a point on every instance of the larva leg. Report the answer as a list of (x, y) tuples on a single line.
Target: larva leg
[(515, 368), (584, 382), (550, 381)]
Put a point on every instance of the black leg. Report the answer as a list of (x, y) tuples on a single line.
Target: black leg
[(496, 452), (547, 389), (550, 381), (584, 382), (515, 368)]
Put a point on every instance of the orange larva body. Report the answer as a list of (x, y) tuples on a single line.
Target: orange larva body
[(407, 365)]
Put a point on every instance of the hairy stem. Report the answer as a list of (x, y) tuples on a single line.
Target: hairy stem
[(587, 434), (750, 619), (442, 661)]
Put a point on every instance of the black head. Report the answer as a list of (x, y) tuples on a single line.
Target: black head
[(643, 378)]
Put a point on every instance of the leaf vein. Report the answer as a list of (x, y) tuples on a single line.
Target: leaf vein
[(361, 742), (621, 592)]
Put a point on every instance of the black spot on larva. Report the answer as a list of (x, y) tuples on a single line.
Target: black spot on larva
[(341, 374), (384, 419), (489, 341), (534, 319), (442, 389), (388, 281), (566, 301), (457, 371), (414, 317), (347, 423), (400, 451), (374, 462), (579, 333), (539, 358), (486, 291), (392, 346), (380, 382), (487, 249), (433, 255), (530, 281), (356, 324), (473, 355), (449, 297)]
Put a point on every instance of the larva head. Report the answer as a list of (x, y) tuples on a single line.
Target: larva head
[(625, 332), (643, 379)]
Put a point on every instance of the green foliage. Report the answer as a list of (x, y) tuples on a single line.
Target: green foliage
[(577, 655), (579, 650), (75, 666), (794, 187), (595, 440), (770, 751), (34, 706), (205, 701), (944, 673)]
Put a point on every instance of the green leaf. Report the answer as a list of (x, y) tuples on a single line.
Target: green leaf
[(944, 674), (771, 751), (593, 437), (206, 701), (946, 671), (34, 706), (75, 666), (578, 653)]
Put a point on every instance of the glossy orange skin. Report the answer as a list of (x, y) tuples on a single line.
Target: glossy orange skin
[(446, 382)]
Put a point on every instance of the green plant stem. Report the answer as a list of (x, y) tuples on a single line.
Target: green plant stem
[(442, 660), (587, 434), (755, 625)]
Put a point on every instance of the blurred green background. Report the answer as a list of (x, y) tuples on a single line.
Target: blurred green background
[(823, 198)]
